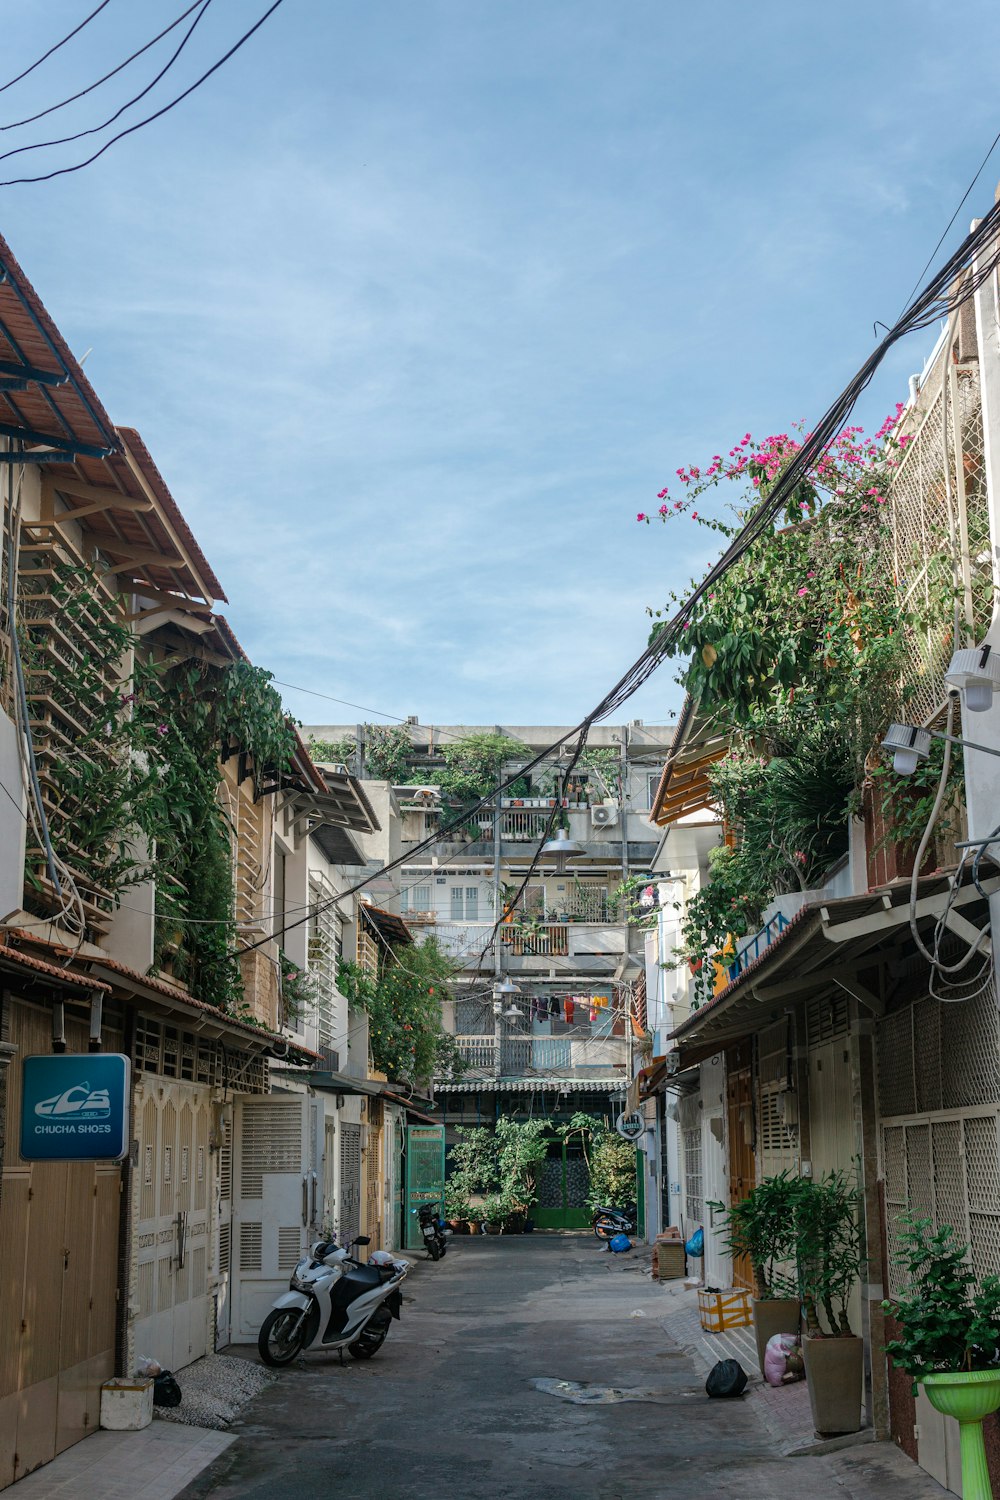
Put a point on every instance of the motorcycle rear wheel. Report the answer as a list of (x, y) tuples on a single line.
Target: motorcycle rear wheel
[(605, 1228), (275, 1346), (369, 1341), (433, 1249)]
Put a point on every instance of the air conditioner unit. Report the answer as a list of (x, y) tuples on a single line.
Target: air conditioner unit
[(603, 816)]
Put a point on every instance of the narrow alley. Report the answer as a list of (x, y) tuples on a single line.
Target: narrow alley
[(449, 1406)]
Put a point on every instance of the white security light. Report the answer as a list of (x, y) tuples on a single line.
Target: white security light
[(975, 671), (908, 745), (512, 1013)]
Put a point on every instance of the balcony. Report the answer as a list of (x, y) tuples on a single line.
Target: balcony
[(531, 1056)]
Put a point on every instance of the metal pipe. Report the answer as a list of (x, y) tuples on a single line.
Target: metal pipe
[(96, 1018), (58, 1026)]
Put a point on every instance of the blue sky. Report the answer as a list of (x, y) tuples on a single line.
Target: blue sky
[(417, 303)]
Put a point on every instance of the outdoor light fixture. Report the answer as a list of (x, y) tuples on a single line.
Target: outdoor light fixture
[(561, 848), (908, 745), (512, 1013), (975, 672), (504, 988)]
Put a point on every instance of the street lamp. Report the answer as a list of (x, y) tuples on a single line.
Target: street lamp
[(561, 848)]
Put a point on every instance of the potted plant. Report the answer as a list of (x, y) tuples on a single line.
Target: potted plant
[(762, 1228), (949, 1338), (831, 1260), (495, 1210)]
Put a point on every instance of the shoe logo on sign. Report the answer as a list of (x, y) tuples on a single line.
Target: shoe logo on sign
[(82, 1102)]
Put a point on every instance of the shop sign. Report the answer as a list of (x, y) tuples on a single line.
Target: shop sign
[(75, 1107)]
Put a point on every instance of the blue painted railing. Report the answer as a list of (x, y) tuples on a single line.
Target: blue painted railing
[(757, 945)]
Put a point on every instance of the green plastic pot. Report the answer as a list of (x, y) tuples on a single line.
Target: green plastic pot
[(968, 1396)]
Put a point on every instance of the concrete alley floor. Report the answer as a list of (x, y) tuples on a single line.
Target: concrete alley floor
[(448, 1408)]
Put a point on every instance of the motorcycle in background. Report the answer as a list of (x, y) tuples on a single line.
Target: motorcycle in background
[(607, 1222), (433, 1229), (334, 1302)]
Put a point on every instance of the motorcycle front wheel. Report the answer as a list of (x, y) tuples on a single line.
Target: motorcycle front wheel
[(605, 1228), (281, 1336), (369, 1341)]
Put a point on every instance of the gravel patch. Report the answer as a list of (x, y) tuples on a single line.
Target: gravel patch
[(215, 1391)]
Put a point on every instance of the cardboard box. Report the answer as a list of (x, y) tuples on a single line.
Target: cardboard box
[(721, 1310), (126, 1405)]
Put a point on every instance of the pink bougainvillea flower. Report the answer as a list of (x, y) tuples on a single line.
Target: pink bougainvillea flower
[(161, 729), (694, 515), (641, 516), (802, 590)]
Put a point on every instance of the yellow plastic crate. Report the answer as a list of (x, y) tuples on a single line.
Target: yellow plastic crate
[(721, 1310)]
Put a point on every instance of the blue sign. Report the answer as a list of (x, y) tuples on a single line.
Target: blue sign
[(74, 1107)]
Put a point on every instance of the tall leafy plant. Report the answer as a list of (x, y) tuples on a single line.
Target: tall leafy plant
[(949, 1319)]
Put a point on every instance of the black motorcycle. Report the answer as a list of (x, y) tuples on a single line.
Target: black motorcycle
[(607, 1222), (433, 1229)]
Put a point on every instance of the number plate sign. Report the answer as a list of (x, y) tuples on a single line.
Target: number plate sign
[(75, 1107)]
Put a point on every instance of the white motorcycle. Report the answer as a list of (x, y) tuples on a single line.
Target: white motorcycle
[(334, 1302)]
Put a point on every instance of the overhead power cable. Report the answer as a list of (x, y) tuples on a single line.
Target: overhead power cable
[(158, 114), (30, 119), (63, 140), (954, 283), (45, 55), (958, 210)]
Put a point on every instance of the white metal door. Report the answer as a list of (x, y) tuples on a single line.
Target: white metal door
[(275, 1201), (172, 1235)]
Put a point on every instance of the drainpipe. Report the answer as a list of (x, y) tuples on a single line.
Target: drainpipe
[(982, 772), (497, 913), (58, 1026), (96, 1018)]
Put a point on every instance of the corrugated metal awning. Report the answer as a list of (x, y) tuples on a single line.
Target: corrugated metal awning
[(534, 1086)]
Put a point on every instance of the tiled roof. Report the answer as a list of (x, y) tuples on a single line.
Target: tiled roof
[(12, 958)]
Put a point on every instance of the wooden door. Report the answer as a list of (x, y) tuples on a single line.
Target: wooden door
[(740, 1139), (59, 1232)]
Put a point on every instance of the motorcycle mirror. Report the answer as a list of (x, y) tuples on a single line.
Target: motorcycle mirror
[(363, 1239)]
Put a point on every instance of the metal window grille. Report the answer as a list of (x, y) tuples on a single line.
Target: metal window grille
[(693, 1180)]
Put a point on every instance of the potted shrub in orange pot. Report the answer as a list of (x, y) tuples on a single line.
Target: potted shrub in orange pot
[(950, 1338)]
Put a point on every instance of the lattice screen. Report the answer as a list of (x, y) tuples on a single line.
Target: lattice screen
[(937, 539), (939, 1101)]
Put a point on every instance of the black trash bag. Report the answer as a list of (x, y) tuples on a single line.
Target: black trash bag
[(166, 1391), (727, 1378)]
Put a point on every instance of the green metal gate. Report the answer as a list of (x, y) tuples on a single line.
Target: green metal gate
[(424, 1177), (563, 1184)]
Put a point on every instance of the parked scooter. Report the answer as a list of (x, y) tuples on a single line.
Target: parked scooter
[(334, 1302), (433, 1229), (607, 1222)]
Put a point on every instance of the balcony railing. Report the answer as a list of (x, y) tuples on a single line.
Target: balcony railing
[(751, 948), (527, 1056), (535, 942), (477, 1052)]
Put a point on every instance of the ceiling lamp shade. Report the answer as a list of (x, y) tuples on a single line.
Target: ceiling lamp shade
[(908, 745), (975, 672), (505, 988), (561, 848)]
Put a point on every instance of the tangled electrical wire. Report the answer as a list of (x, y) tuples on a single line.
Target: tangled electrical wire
[(961, 275)]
